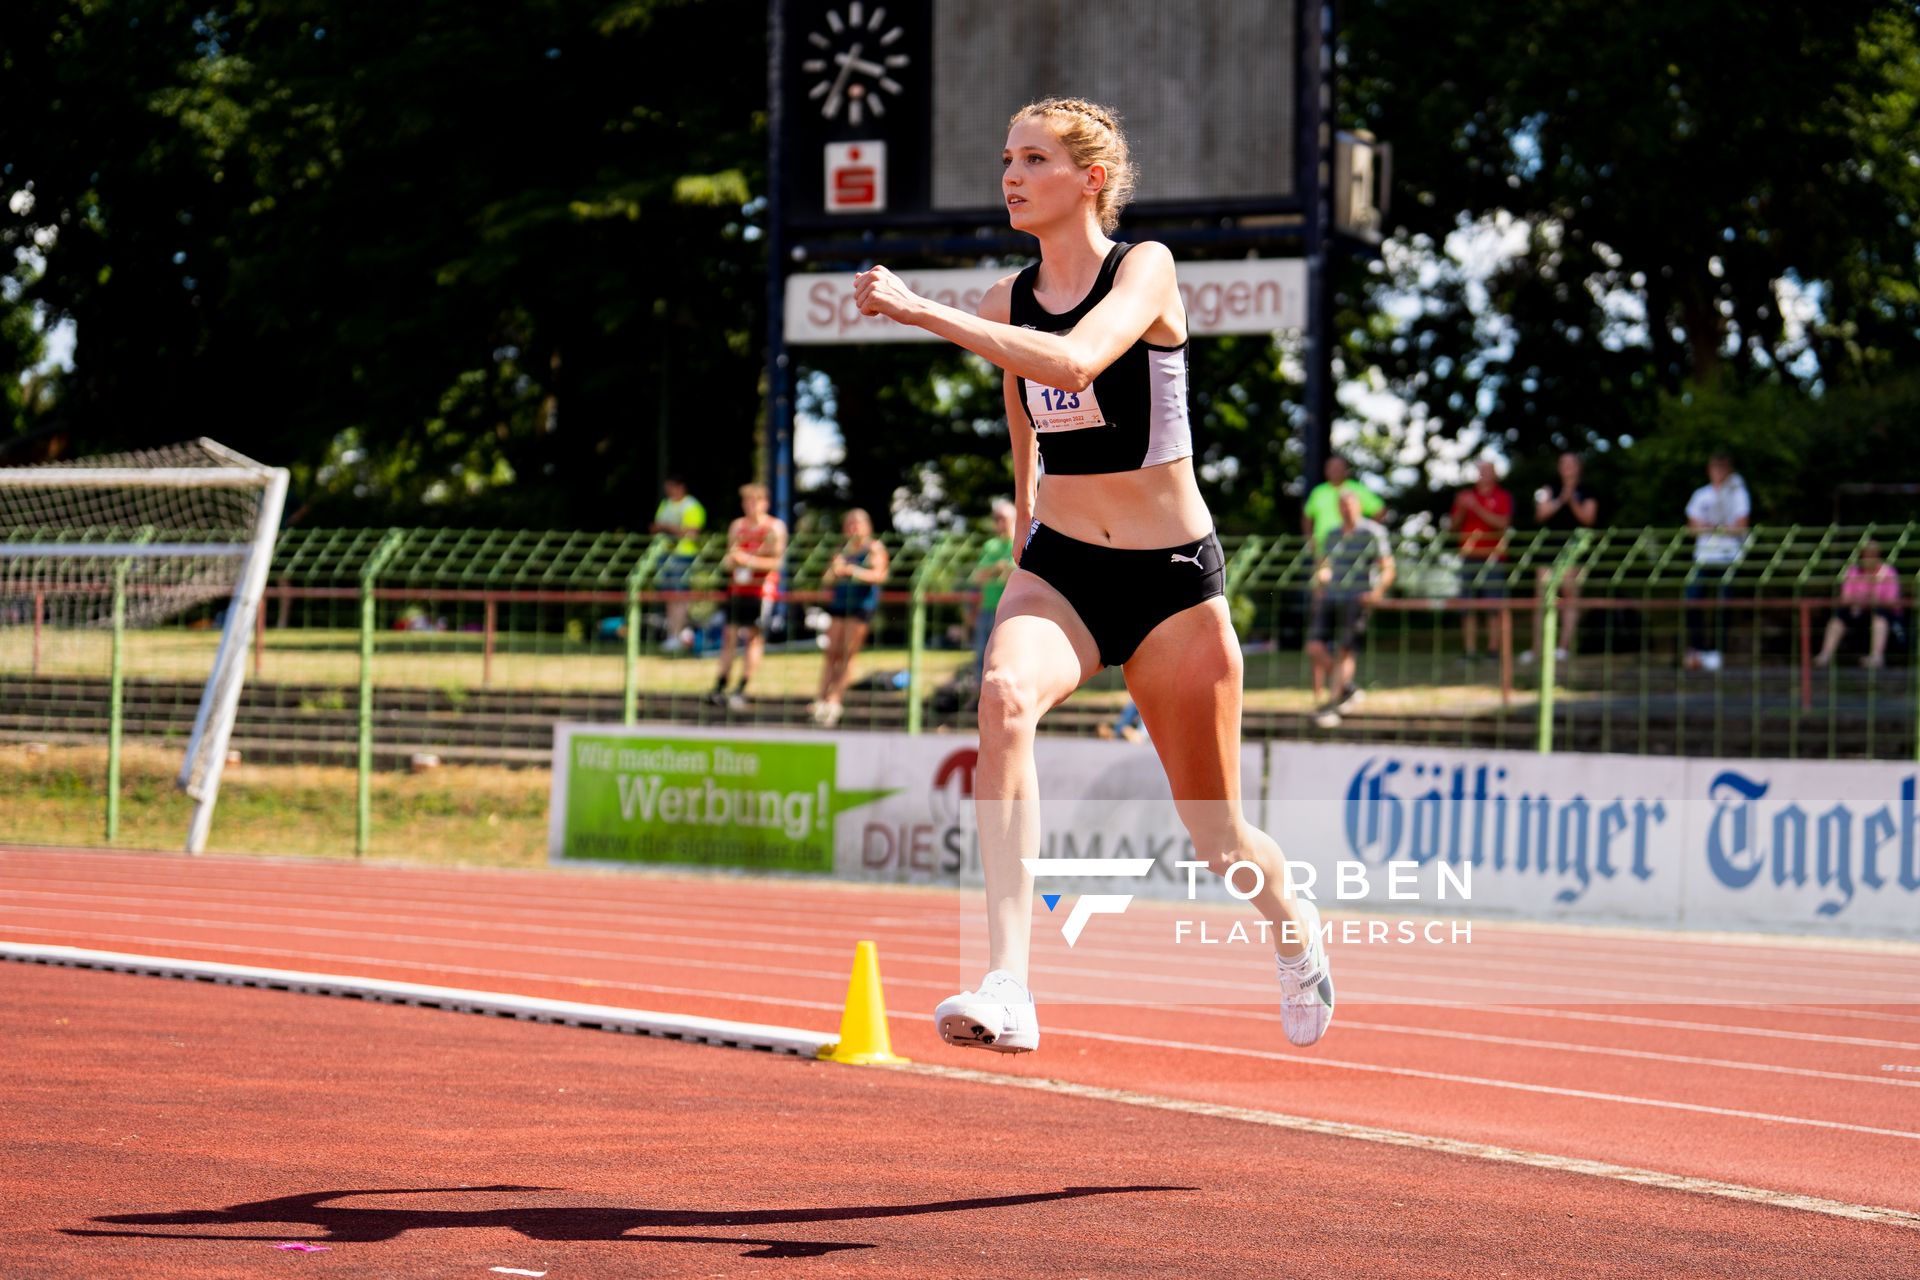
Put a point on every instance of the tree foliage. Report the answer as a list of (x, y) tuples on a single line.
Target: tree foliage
[(503, 264), (1715, 200), (428, 254)]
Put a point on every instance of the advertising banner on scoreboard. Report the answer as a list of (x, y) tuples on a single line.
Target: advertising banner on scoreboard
[(1723, 844), (1249, 295), (876, 807)]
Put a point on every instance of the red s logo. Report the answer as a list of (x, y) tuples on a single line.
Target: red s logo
[(855, 186)]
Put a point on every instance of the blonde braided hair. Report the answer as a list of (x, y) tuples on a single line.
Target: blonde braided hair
[(1091, 134)]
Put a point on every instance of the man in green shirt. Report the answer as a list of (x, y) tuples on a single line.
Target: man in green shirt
[(990, 575), (680, 516), (1321, 516)]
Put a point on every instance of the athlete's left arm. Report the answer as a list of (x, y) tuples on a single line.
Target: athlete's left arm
[(876, 571), (1143, 289)]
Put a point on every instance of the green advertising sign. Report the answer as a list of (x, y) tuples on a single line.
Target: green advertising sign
[(766, 805)]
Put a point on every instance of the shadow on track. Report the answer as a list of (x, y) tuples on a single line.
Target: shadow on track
[(345, 1223)]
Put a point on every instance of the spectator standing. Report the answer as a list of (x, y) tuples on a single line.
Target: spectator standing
[(756, 548), (1564, 508), (854, 576), (1869, 593), (990, 574), (681, 517), (1717, 515), (1481, 516), (1321, 514), (1354, 573)]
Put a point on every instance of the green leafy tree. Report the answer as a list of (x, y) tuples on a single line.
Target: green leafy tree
[(1714, 197), (500, 264)]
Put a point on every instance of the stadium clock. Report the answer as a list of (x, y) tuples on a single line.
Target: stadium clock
[(854, 62)]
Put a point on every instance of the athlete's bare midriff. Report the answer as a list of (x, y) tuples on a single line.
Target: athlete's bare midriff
[(1140, 510)]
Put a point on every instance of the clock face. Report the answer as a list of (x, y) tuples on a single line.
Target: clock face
[(854, 63)]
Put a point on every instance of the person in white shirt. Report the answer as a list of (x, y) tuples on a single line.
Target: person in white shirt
[(1717, 515)]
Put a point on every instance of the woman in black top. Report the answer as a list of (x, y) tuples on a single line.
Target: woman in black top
[(854, 576), (1120, 566)]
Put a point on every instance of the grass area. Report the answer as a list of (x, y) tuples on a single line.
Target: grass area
[(521, 660), (548, 662), (456, 816)]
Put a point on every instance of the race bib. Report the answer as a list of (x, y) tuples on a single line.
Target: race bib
[(1056, 410), (742, 574)]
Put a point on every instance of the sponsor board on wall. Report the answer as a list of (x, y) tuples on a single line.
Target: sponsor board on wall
[(1546, 837), (1249, 295), (663, 795), (1831, 846), (877, 807), (1818, 848), (1097, 800), (1778, 845)]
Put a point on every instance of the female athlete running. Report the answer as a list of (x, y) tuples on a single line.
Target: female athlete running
[(1120, 567)]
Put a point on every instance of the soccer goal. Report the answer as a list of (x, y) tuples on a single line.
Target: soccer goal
[(98, 549)]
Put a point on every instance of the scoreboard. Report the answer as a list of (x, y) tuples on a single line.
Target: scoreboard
[(893, 115)]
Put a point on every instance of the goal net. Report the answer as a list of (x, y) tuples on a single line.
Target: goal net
[(97, 550)]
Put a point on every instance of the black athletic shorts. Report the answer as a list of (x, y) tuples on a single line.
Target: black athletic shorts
[(1351, 612), (747, 611), (1123, 594)]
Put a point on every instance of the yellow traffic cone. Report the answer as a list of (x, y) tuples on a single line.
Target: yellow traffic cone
[(863, 1025)]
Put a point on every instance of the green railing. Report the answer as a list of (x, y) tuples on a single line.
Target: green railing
[(382, 650)]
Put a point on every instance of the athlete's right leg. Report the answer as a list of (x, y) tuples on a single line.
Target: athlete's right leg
[(1040, 652)]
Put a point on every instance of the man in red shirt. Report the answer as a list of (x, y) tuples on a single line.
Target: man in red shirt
[(756, 547), (1481, 516)]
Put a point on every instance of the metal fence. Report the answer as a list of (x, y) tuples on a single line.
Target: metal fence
[(386, 651)]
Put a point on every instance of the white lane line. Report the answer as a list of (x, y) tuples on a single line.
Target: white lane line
[(1448, 1077), (1874, 1015), (565, 887), (1436, 968), (1353, 965), (1675, 1024), (478, 971), (1560, 1046), (901, 980), (606, 885), (828, 976), (899, 954), (1151, 1042), (794, 1040), (560, 891), (1536, 944), (1424, 1142), (677, 1026), (1398, 976)]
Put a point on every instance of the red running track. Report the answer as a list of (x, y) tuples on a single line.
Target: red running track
[(1785, 1067)]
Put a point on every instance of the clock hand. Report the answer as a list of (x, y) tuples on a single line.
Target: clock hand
[(831, 107), (853, 62)]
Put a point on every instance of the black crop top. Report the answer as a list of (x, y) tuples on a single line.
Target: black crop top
[(1135, 413)]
